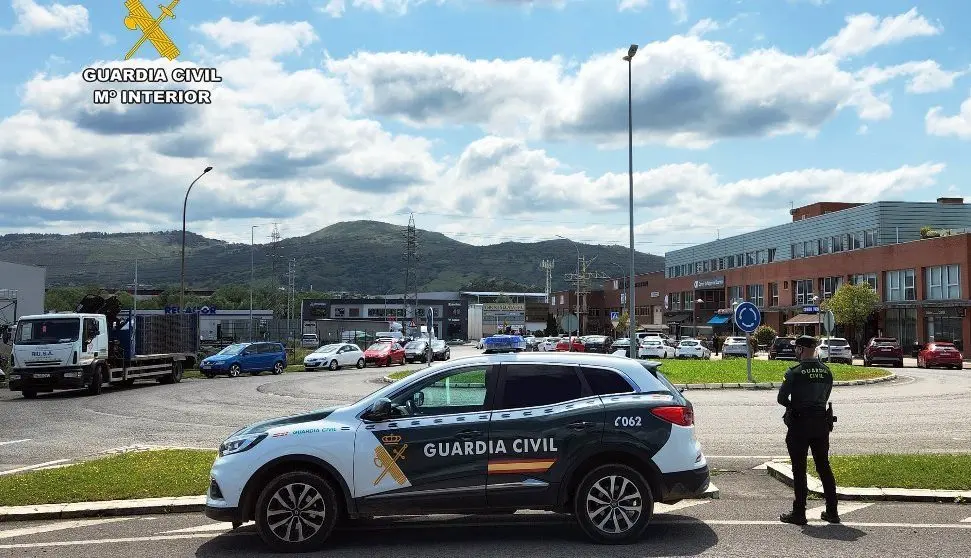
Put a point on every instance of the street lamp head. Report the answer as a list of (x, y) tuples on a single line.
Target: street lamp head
[(630, 53), (700, 301), (207, 170)]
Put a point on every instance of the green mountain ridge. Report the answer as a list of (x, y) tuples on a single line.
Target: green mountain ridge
[(351, 256)]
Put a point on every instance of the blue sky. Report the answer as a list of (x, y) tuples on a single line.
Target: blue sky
[(492, 120)]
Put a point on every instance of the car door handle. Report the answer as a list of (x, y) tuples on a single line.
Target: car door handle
[(468, 434), (580, 425)]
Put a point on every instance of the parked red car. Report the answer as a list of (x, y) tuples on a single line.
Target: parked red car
[(384, 353), (939, 353), (883, 349), (564, 345)]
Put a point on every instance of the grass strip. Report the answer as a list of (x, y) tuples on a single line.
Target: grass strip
[(924, 471), (734, 371), (127, 476)]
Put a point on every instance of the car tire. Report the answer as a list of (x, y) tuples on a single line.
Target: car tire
[(97, 380), (234, 371), (388, 362), (277, 368), (866, 362), (899, 364), (360, 363), (29, 394), (333, 365), (209, 375), (321, 514), (592, 509)]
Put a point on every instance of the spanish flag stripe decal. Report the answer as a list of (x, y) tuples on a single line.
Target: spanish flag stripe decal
[(520, 466)]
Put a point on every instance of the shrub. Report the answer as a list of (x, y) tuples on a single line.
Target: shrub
[(764, 335)]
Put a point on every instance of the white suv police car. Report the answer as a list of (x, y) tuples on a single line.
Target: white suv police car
[(600, 436)]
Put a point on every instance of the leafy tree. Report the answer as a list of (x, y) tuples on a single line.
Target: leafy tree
[(852, 305), (764, 335), (622, 322)]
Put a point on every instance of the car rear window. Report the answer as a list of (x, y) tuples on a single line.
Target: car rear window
[(885, 341), (605, 382), (784, 340), (837, 342)]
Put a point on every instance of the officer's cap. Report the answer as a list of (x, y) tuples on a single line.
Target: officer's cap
[(806, 341)]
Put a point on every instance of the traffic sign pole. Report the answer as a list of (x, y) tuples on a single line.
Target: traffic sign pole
[(748, 363), (747, 318)]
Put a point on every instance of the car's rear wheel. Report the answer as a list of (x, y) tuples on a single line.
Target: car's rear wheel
[(613, 504), (360, 363), (296, 512), (277, 368)]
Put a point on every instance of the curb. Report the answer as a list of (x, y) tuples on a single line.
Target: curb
[(105, 508), (783, 472)]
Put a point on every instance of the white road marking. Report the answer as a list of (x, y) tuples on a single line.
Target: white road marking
[(210, 528), (32, 467), (58, 527), (15, 441), (844, 508), (668, 508), (968, 520)]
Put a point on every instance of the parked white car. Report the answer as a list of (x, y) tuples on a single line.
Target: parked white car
[(692, 348), (656, 348), (835, 349), (547, 344), (335, 356), (735, 347)]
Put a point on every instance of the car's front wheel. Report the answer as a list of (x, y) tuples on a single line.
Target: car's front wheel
[(277, 368), (360, 363), (333, 365), (613, 504), (234, 371), (296, 512)]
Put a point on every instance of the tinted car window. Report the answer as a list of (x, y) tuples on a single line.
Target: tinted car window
[(605, 382), (532, 385)]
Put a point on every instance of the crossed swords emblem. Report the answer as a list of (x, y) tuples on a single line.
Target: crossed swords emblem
[(139, 18), (387, 462)]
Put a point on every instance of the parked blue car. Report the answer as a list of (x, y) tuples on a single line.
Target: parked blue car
[(246, 357)]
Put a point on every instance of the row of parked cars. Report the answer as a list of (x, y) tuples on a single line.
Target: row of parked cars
[(383, 352)]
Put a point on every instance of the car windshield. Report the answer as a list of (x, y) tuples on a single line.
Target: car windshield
[(785, 341), (736, 340), (380, 346), (328, 348), (42, 332), (438, 345), (837, 343), (232, 349), (415, 345), (689, 343)]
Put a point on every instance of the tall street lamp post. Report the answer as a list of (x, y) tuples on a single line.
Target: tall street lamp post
[(252, 269), (694, 317), (631, 316), (184, 204)]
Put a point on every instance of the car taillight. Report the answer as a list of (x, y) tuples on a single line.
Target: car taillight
[(682, 416)]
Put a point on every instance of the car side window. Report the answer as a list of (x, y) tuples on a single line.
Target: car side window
[(535, 385), (605, 382), (462, 390)]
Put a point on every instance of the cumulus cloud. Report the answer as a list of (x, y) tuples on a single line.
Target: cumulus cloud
[(865, 32), (687, 91), (925, 76), (34, 18), (958, 125)]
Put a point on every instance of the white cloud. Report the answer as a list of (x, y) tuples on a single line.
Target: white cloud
[(632, 5), (680, 10), (958, 125), (34, 18), (262, 40), (687, 91), (865, 32), (704, 27), (924, 77), (107, 39)]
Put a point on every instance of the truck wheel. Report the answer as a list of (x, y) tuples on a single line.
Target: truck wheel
[(613, 504), (94, 388), (177, 372), (30, 394), (234, 371), (296, 512), (277, 368)]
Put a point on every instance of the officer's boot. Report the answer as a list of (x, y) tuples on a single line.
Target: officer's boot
[(797, 516), (832, 514)]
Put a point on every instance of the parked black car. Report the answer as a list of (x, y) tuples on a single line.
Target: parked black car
[(441, 350), (596, 344), (783, 348), (416, 351)]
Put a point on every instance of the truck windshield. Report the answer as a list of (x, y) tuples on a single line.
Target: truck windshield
[(47, 331)]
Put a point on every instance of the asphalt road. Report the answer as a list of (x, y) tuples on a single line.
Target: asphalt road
[(743, 523)]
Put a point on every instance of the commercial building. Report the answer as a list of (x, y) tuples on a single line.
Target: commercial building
[(22, 290), (915, 254)]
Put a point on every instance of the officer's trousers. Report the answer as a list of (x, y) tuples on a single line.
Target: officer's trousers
[(804, 435)]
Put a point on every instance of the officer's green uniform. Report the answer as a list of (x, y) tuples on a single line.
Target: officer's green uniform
[(804, 393)]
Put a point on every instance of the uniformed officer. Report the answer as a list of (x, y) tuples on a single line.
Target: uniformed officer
[(804, 393)]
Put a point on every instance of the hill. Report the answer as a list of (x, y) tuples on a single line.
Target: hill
[(355, 256)]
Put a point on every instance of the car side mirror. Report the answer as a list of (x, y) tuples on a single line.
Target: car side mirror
[(380, 409)]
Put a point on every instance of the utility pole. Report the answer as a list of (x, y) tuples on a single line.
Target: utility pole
[(582, 279), (547, 266), (252, 272), (410, 256), (291, 294)]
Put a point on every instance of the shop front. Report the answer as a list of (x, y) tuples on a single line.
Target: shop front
[(945, 324)]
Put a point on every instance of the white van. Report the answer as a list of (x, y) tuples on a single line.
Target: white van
[(309, 341)]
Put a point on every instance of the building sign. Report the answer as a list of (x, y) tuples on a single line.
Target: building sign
[(503, 307), (952, 312), (623, 299), (503, 313), (810, 309), (655, 294), (725, 312), (191, 310), (710, 283)]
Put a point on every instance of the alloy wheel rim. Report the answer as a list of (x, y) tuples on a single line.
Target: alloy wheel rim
[(295, 513), (614, 504)]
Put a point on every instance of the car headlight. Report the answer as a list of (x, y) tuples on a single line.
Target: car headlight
[(240, 444)]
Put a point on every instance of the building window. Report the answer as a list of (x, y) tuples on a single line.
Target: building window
[(756, 295), (735, 293), (839, 243), (901, 323), (824, 245), (339, 312), (731, 262), (809, 248), (861, 278), (354, 312), (721, 264), (829, 285), (943, 283), (857, 240), (771, 255), (804, 291), (561, 299), (797, 250), (870, 239), (774, 293), (901, 285), (945, 328)]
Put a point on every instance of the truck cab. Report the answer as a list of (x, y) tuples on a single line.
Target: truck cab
[(54, 351)]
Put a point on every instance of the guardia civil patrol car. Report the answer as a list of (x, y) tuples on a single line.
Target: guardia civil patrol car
[(601, 437)]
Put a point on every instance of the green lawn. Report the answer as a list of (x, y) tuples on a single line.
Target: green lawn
[(144, 474), (733, 371), (927, 471)]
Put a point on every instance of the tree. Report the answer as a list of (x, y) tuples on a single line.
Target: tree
[(622, 321), (852, 305), (764, 335)]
